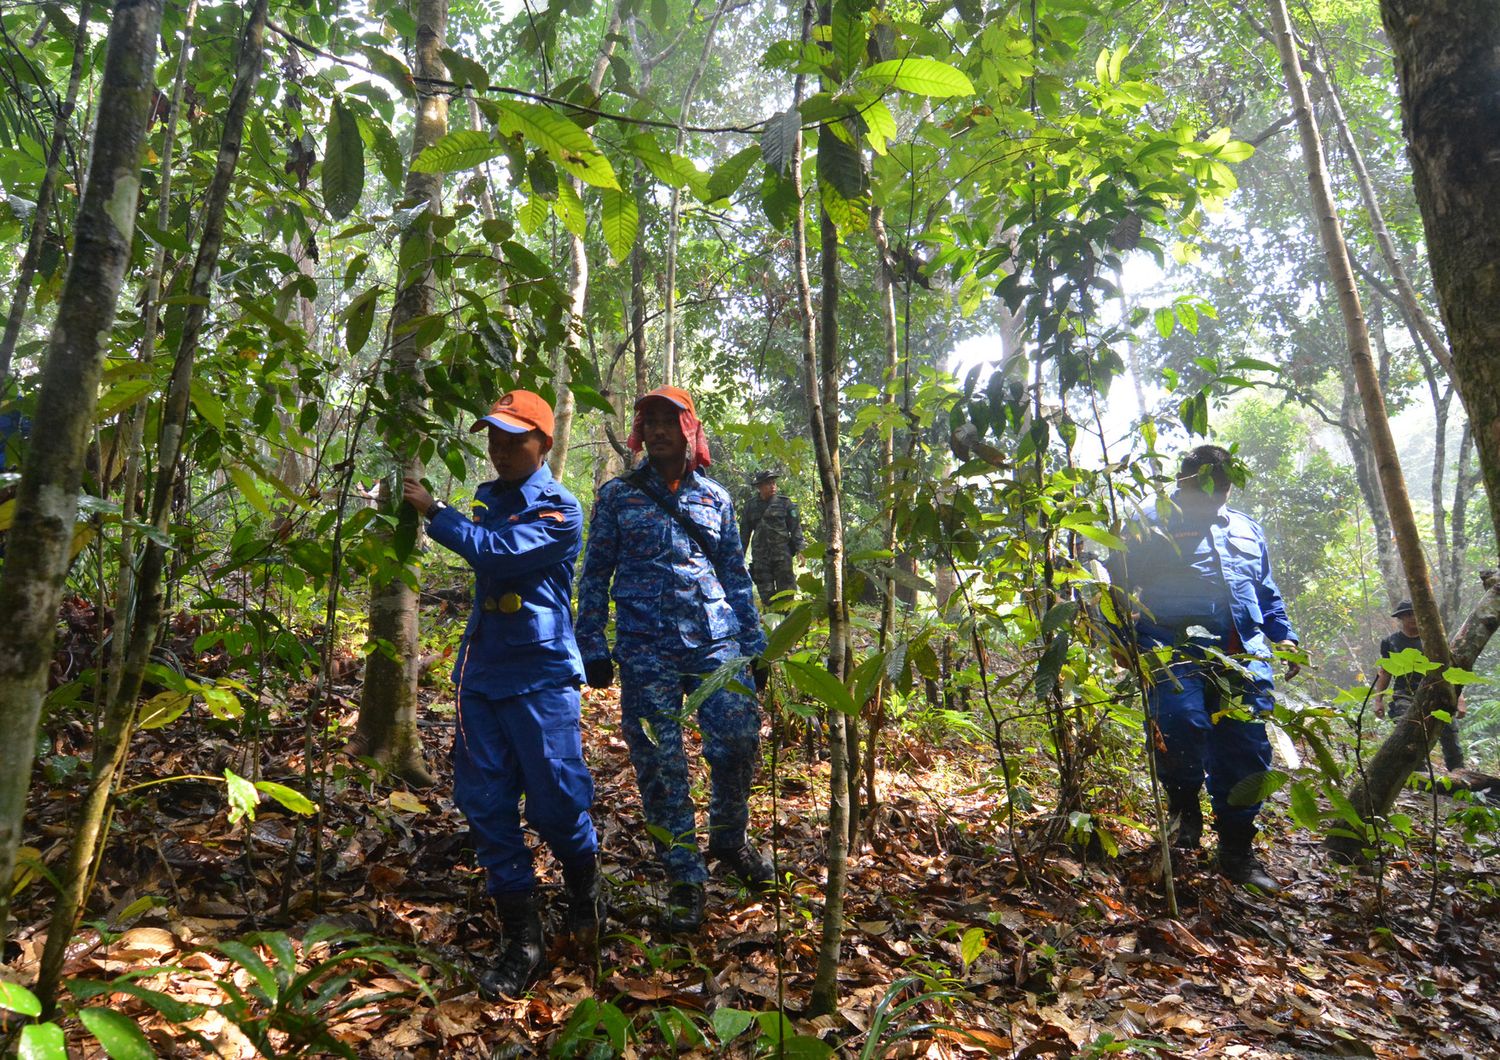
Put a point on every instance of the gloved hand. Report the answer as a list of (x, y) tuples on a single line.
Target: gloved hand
[(599, 673), (760, 670)]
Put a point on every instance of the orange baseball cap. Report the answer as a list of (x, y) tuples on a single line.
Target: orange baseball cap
[(517, 412), (675, 394)]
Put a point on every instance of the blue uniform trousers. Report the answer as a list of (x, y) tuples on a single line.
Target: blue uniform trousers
[(653, 685), (528, 745), (1182, 701)]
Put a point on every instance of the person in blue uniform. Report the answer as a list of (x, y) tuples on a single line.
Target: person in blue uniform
[(518, 674), (663, 542), (1202, 587)]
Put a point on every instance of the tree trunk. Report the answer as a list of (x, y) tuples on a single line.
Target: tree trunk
[(387, 727), (1459, 540), (1368, 479), (112, 740), (674, 206), (820, 363), (41, 216), (31, 581), (578, 287), (1368, 800), (1444, 49)]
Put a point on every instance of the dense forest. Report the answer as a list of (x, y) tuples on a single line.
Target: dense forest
[(966, 281)]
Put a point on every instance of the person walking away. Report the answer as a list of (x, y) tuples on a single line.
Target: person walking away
[(664, 546), (1395, 695), (1208, 613), (771, 530), (518, 673)]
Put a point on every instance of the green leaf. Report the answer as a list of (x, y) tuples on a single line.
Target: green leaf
[(924, 77), (291, 798), (840, 165), (209, 405), (16, 998), (246, 484), (359, 318), (162, 709), (343, 162), (465, 71), (620, 218), (730, 1023), (390, 68), (788, 632), (1049, 669), (1408, 661), (814, 680), (118, 1033), (243, 798), (778, 140), (42, 1041), (847, 37), (569, 210), (975, 942), (542, 175), (1257, 787), (569, 146), (461, 149), (1305, 806), (1058, 616), (1166, 321), (731, 174), (803, 1047), (378, 138), (1457, 675)]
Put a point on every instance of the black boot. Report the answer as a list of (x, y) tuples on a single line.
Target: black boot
[(1185, 818), (748, 864), (581, 920), (1237, 861), (520, 962), (684, 913)]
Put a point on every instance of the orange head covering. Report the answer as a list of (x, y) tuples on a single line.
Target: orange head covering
[(687, 418), (518, 412)]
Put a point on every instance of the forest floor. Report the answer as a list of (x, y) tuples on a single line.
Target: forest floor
[(1068, 959)]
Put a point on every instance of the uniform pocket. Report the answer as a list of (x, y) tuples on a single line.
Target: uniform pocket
[(563, 742), (642, 532)]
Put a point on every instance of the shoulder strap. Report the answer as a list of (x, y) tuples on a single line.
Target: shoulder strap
[(637, 478)]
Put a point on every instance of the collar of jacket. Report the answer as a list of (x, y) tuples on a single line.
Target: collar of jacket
[(531, 489), (655, 475)]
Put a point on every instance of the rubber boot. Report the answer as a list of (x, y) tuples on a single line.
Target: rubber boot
[(1237, 861), (520, 962), (1185, 818), (685, 904), (748, 864), (581, 919)]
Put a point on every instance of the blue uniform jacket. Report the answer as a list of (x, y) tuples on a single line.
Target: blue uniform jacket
[(666, 592), (522, 544), (1213, 573)]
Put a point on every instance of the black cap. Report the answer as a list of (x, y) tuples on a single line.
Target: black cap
[(765, 476), (1403, 608)]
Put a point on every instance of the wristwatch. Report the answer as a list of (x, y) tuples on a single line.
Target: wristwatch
[(437, 506)]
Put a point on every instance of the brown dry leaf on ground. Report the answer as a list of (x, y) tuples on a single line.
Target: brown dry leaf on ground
[(952, 947)]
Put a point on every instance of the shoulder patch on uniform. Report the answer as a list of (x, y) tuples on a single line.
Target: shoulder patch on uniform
[(555, 516)]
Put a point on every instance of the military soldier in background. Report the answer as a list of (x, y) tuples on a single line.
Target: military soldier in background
[(1396, 695), (772, 532)]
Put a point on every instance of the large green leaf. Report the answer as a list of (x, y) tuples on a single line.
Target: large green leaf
[(569, 146), (390, 68), (343, 163), (16, 998), (728, 177), (840, 165), (42, 1041), (461, 149), (778, 140), (620, 217), (923, 77), (815, 681), (118, 1033), (378, 138), (465, 71), (290, 798), (788, 632), (243, 798)]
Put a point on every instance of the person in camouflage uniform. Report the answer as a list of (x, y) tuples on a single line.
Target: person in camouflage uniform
[(772, 532), (663, 536)]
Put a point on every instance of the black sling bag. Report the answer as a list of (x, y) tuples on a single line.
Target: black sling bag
[(637, 479)]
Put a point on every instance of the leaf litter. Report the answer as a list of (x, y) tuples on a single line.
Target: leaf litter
[(1068, 958)]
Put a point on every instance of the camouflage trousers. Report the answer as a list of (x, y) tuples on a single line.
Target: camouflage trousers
[(653, 687), (771, 578)]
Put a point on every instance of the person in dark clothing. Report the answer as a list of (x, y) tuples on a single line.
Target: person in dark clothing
[(1208, 613), (771, 530), (518, 672), (1395, 695)]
